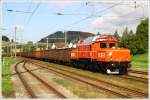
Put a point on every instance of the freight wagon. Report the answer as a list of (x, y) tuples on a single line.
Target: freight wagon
[(97, 53)]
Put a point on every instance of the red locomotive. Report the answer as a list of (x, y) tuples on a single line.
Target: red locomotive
[(97, 53)]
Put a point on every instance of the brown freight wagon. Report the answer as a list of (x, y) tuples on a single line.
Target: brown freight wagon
[(63, 55), (57, 54)]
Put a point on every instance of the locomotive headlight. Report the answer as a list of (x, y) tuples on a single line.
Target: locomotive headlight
[(110, 54)]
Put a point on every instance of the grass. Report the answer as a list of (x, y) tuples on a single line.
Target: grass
[(140, 61), (7, 89)]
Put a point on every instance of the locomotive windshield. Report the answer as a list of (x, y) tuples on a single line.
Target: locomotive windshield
[(103, 45), (112, 45), (107, 45)]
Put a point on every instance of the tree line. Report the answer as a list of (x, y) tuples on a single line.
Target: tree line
[(137, 42)]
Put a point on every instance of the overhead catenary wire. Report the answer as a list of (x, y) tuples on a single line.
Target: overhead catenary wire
[(79, 8), (29, 7), (123, 3), (90, 16), (36, 8)]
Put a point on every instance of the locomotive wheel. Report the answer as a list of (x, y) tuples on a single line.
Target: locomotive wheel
[(122, 70), (96, 68), (82, 65), (104, 68), (88, 66)]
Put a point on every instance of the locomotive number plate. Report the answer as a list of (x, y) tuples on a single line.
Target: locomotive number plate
[(101, 55)]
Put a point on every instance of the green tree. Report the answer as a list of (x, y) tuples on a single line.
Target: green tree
[(142, 33), (137, 43), (124, 39), (116, 34), (5, 38), (29, 47), (131, 32), (125, 32)]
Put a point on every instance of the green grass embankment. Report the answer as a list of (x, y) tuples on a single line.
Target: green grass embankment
[(7, 90), (140, 61)]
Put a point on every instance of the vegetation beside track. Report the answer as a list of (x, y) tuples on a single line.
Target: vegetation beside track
[(7, 90), (140, 61)]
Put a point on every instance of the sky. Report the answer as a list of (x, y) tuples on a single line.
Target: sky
[(36, 19)]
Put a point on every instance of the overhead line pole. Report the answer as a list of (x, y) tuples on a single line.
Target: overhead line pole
[(47, 43), (65, 33), (15, 39), (1, 22)]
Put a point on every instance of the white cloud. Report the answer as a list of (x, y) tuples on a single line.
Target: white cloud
[(121, 16)]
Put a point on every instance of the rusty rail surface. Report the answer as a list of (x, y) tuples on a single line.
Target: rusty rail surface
[(45, 83), (127, 89), (4, 75), (138, 72), (25, 84), (135, 78), (87, 82)]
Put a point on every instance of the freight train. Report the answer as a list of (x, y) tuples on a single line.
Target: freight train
[(97, 53)]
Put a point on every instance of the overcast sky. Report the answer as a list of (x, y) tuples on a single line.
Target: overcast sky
[(39, 18)]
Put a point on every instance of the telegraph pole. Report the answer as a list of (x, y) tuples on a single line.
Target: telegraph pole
[(47, 43), (1, 22), (65, 38), (15, 39)]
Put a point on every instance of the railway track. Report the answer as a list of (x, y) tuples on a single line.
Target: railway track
[(138, 72), (126, 92), (27, 86), (24, 82), (135, 78), (137, 75)]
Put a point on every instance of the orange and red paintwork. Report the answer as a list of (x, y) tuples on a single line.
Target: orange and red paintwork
[(94, 52), (101, 52)]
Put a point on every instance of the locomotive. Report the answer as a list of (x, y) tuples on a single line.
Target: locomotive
[(96, 53)]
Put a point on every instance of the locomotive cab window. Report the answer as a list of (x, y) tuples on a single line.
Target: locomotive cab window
[(112, 45), (103, 45)]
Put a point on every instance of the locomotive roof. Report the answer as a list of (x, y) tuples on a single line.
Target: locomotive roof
[(93, 39)]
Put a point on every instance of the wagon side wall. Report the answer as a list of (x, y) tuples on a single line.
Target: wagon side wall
[(58, 54)]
